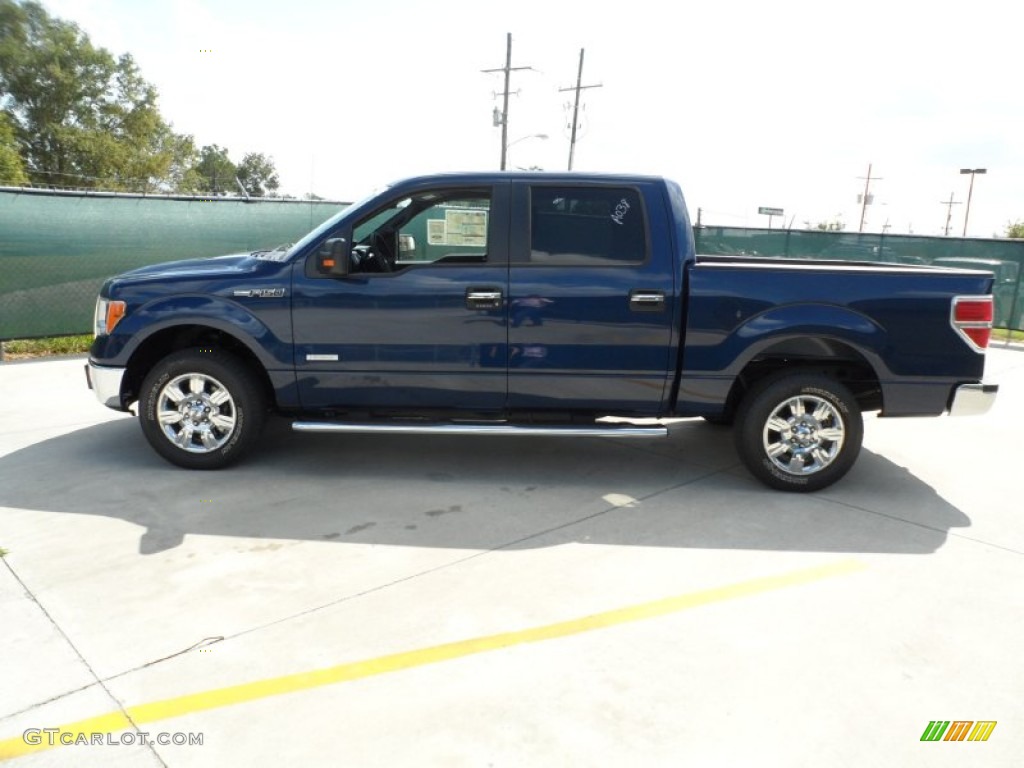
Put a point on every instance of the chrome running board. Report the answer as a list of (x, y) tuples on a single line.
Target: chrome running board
[(412, 428)]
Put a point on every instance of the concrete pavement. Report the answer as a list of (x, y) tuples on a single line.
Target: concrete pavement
[(475, 601)]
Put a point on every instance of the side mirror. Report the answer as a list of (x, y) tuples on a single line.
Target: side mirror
[(335, 257)]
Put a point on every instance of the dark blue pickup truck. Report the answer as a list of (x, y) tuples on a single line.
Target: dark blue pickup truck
[(536, 304)]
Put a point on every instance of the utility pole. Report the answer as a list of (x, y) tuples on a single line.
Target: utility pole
[(508, 69), (949, 210), (970, 192), (576, 106), (864, 198)]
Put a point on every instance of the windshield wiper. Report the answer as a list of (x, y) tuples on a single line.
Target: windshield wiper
[(275, 253)]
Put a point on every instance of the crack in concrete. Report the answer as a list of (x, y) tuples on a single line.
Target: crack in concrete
[(81, 658), (895, 518), (380, 587)]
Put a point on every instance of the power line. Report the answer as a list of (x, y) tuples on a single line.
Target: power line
[(508, 69), (576, 106)]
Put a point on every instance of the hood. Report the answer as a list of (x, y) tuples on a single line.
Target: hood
[(188, 275), (232, 264)]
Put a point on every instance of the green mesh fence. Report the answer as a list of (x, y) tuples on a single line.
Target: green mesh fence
[(56, 249), (1004, 258)]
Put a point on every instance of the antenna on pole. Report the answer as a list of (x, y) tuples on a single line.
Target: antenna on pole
[(576, 106), (508, 69)]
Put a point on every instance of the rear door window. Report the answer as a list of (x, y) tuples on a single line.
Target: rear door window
[(587, 226)]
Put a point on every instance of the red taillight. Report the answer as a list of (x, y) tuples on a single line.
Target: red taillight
[(973, 311), (980, 336), (972, 318)]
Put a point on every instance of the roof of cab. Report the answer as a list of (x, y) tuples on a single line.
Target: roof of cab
[(547, 177)]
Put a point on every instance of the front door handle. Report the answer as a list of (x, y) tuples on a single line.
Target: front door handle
[(484, 298), (646, 301)]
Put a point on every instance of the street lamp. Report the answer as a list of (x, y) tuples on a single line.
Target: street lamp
[(522, 138), (970, 190)]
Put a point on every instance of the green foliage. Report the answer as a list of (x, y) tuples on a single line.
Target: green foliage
[(83, 118), (834, 225), (1015, 229), (12, 168), (48, 347), (214, 171), (182, 175), (258, 175)]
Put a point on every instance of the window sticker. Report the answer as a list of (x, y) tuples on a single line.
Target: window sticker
[(466, 227), (437, 232), (620, 211)]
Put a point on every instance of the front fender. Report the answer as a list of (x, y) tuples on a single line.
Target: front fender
[(267, 336)]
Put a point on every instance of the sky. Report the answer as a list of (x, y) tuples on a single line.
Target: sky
[(746, 103)]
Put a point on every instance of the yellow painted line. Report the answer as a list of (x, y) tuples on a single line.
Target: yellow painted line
[(155, 711)]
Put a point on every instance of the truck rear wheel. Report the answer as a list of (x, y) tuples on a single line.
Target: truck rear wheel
[(799, 432), (201, 409)]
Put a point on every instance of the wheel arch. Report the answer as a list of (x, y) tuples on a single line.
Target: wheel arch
[(836, 358), (168, 340)]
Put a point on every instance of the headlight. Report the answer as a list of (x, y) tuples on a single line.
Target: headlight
[(108, 314)]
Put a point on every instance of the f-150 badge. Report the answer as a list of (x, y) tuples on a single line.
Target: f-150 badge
[(260, 293)]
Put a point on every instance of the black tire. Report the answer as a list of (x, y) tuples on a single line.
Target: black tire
[(816, 448), (218, 414)]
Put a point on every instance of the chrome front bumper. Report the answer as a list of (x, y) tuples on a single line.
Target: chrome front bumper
[(106, 383), (973, 399)]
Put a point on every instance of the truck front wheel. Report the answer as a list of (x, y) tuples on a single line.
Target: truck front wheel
[(201, 409), (799, 432)]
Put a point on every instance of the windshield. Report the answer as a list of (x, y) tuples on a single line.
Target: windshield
[(329, 224)]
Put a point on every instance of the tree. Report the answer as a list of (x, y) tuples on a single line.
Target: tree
[(258, 175), (1015, 228), (82, 117), (835, 225), (215, 173), (12, 169), (183, 176)]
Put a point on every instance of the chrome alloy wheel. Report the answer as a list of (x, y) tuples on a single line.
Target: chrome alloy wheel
[(803, 435), (196, 413)]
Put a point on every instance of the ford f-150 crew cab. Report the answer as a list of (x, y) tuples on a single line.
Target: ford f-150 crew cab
[(536, 304)]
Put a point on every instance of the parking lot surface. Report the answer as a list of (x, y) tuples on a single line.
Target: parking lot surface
[(479, 601)]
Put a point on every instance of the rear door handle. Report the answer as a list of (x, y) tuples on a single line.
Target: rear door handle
[(646, 301), (484, 298)]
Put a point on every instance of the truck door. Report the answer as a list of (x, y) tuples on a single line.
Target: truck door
[(592, 298), (420, 321)]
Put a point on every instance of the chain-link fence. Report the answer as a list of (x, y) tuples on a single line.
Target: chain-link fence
[(56, 248), (1004, 258)]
